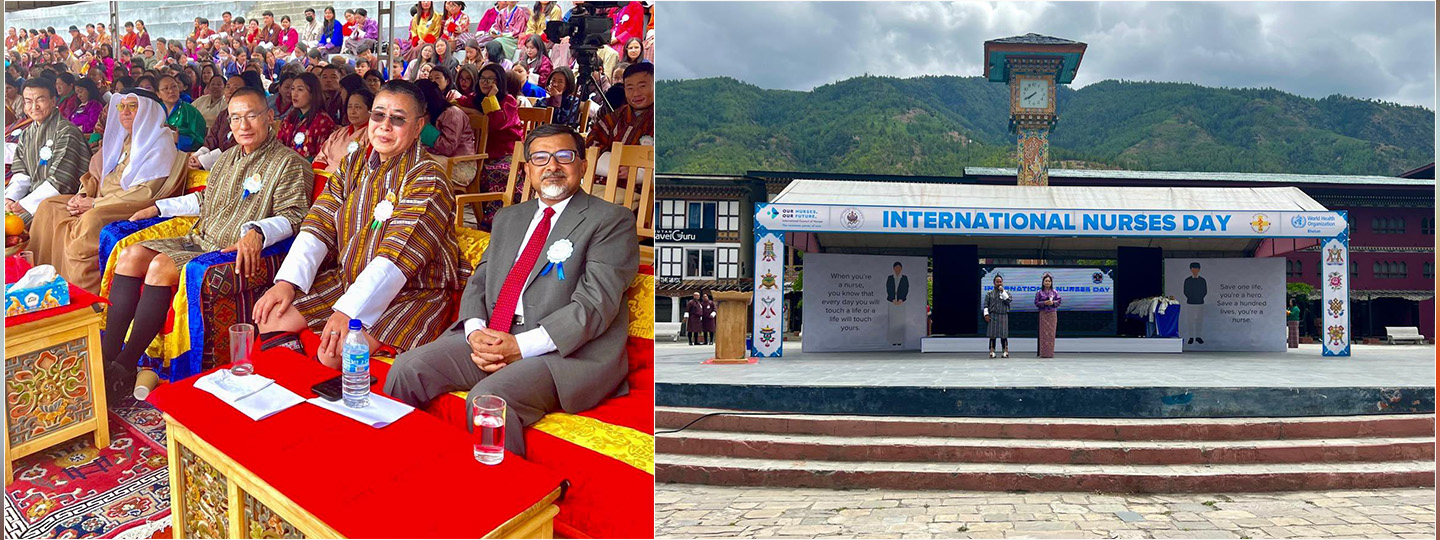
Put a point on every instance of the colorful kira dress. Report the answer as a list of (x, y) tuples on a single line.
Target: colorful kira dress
[(1048, 321), (379, 245), (305, 132)]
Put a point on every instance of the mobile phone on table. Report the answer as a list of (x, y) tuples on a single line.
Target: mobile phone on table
[(333, 389)]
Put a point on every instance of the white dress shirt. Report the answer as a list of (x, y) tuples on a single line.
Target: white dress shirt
[(536, 341)]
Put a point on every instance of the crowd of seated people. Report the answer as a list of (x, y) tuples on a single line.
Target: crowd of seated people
[(104, 128)]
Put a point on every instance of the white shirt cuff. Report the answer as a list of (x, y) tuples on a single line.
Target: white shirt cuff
[(18, 188), (184, 205), (32, 201), (534, 342), (985, 311), (473, 325), (276, 228), (373, 290), (302, 262)]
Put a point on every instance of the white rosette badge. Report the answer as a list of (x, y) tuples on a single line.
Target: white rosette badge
[(383, 210), (46, 152), (558, 253), (15, 133), (252, 186), (299, 140), (352, 147)]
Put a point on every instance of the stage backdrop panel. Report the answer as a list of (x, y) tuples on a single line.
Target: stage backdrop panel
[(846, 306), (1231, 304)]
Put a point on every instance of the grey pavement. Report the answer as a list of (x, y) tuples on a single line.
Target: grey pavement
[(693, 511), (1370, 365)]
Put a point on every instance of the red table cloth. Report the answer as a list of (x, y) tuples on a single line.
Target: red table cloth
[(415, 478)]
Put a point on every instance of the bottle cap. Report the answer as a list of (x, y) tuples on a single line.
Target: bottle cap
[(355, 324)]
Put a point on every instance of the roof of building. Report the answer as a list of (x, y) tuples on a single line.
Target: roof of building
[(1034, 39), (862, 193), (1276, 178)]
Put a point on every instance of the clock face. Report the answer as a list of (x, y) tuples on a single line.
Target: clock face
[(1034, 94)]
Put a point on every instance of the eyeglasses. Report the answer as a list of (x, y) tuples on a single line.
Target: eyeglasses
[(490, 80), (236, 119), (127, 107), (380, 117), (564, 157)]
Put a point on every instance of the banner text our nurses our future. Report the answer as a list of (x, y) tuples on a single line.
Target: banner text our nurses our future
[(1054, 221)]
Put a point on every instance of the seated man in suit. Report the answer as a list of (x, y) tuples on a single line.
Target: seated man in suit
[(543, 320)]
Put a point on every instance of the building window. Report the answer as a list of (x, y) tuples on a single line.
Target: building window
[(700, 263), (671, 261), (729, 263), (1391, 270), (1388, 225), (664, 309), (1429, 270), (1427, 226), (1354, 270), (1293, 268), (729, 219), (672, 214), (701, 215)]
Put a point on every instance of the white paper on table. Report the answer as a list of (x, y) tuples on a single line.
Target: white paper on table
[(382, 411), (257, 398)]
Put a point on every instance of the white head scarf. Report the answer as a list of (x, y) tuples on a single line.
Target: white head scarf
[(152, 146)]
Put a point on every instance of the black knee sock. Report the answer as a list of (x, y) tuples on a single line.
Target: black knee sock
[(124, 295), (288, 340), (150, 314), (992, 344), (1004, 343)]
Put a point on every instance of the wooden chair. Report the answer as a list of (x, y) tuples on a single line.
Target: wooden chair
[(480, 124), (531, 117), (584, 126), (638, 194), (506, 198)]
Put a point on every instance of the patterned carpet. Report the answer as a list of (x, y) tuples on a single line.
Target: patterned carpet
[(73, 490)]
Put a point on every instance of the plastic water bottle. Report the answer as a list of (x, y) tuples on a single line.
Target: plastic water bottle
[(356, 367)]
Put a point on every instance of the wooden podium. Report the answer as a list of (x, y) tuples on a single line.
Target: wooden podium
[(732, 310)]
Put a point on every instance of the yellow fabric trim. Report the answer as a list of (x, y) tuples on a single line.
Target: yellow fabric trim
[(640, 297), (472, 245), (165, 346), (630, 446), (489, 104), (196, 180)]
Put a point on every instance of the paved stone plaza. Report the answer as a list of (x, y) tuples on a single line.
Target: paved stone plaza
[(1403, 365), (693, 511)]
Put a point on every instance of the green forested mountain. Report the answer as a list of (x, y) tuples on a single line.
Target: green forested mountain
[(938, 125)]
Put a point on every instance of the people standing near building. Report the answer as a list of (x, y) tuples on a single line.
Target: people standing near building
[(1047, 299), (694, 318), (709, 321), (1292, 322), (997, 317)]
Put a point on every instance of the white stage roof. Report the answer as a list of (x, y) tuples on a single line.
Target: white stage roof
[(932, 195)]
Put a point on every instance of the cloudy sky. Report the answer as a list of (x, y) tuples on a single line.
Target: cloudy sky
[(1380, 50)]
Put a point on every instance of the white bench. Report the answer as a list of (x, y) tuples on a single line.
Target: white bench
[(1395, 334), (672, 329)]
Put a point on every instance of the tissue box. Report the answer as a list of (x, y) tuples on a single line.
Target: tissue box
[(52, 295)]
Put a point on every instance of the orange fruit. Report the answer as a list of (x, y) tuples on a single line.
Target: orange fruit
[(14, 225)]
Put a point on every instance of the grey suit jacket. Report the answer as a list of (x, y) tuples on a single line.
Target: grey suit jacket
[(585, 313)]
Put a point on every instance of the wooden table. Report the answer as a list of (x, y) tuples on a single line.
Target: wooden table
[(283, 476), (54, 382), (211, 496)]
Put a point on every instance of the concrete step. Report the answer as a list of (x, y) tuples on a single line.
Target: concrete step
[(1110, 429), (1232, 478), (1037, 451)]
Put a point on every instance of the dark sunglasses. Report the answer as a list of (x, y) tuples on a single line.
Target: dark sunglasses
[(380, 117)]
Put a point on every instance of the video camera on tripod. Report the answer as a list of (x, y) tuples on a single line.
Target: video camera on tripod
[(589, 30)]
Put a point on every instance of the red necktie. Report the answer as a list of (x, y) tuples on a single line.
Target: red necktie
[(504, 312)]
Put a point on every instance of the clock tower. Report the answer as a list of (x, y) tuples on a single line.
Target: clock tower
[(1032, 65)]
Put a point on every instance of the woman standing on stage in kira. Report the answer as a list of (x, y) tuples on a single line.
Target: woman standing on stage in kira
[(709, 322), (997, 317), (1048, 300)]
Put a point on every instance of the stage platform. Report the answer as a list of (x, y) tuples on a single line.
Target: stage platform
[(1377, 379), (1114, 345)]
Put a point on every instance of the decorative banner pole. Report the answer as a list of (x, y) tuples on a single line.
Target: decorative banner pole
[(1335, 293), (768, 306)]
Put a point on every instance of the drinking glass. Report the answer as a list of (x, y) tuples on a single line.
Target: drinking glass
[(242, 342), (487, 418)]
